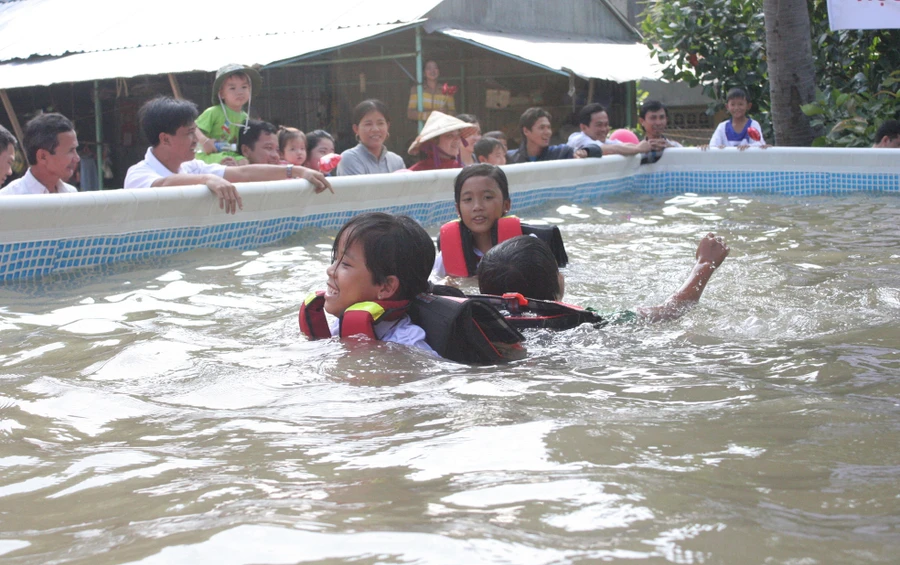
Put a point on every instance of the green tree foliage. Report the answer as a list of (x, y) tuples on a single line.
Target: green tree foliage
[(716, 44), (851, 118), (721, 43)]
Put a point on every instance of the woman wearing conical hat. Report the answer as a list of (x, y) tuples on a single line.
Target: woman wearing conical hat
[(438, 145)]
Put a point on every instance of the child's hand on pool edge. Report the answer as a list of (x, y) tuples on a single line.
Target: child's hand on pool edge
[(712, 249)]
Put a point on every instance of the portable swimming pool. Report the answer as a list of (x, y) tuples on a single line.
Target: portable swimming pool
[(164, 409)]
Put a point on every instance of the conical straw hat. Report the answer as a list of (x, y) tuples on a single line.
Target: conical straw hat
[(438, 124)]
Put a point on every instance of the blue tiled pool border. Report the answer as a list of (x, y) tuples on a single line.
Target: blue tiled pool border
[(23, 260)]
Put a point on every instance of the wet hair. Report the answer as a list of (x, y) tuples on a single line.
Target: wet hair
[(41, 132), (250, 135), (287, 135), (6, 139), (652, 106), (392, 245), (165, 114), (370, 105), (496, 134), (468, 118), (586, 113), (522, 264), (481, 170), (738, 93), (531, 116), (889, 129), (485, 146), (315, 137)]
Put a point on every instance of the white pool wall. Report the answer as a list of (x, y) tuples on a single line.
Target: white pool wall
[(44, 234)]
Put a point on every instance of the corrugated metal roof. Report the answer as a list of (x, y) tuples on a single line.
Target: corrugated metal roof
[(618, 62), (206, 55), (56, 27)]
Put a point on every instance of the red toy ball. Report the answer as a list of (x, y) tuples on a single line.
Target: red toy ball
[(625, 136)]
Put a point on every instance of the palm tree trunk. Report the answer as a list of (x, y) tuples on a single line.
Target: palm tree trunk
[(791, 71)]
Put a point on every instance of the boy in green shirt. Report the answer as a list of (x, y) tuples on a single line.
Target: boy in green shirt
[(218, 126)]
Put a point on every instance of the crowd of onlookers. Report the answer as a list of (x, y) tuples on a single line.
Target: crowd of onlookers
[(222, 145)]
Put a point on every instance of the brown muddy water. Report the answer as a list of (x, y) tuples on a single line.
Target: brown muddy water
[(168, 412)]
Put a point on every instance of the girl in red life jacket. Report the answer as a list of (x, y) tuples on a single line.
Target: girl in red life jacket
[(379, 263), (482, 202), (526, 266)]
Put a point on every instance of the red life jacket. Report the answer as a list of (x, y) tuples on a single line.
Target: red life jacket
[(526, 313), (458, 253), (359, 318), (459, 329)]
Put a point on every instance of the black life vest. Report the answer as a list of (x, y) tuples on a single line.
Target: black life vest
[(359, 318), (457, 246), (459, 329), (526, 313)]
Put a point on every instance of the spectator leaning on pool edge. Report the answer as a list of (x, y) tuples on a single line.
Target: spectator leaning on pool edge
[(7, 153), (536, 132), (52, 149), (654, 118), (169, 126), (372, 127), (593, 122), (258, 143)]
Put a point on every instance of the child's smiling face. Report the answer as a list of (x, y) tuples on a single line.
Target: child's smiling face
[(481, 204), (235, 91), (737, 107), (349, 279)]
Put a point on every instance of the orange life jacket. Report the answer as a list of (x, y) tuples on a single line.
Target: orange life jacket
[(457, 246), (359, 318), (458, 253)]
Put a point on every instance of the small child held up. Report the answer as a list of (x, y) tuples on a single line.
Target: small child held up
[(380, 262), (490, 150), (482, 202), (218, 126), (525, 265), (741, 130), (292, 146)]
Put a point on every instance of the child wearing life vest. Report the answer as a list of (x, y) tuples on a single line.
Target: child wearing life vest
[(380, 262), (482, 202), (523, 271), (741, 130)]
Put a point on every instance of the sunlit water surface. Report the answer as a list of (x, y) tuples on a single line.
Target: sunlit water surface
[(168, 412)]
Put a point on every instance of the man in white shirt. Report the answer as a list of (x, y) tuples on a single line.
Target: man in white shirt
[(169, 126), (594, 124), (52, 149)]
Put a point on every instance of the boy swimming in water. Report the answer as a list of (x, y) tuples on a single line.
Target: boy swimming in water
[(525, 265)]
